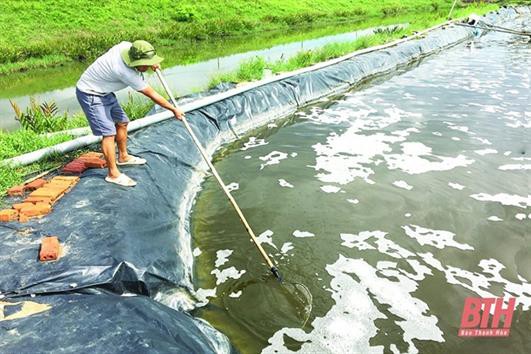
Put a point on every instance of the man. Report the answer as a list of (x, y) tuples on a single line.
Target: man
[(122, 66)]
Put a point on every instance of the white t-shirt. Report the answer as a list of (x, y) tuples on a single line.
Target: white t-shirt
[(109, 73)]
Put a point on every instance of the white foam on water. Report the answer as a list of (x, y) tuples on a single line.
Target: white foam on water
[(512, 167), (459, 128), (284, 183), (293, 154), (482, 140), (233, 186), (273, 158), (490, 108), (227, 273), (407, 215), (456, 186), (403, 185), (504, 199), (507, 153), (481, 282), (347, 156), (266, 237), (363, 240), (353, 201), (253, 142), (286, 247), (271, 125), (222, 257), (518, 119), (412, 162), (202, 296), (456, 138), (247, 157), (196, 252), (346, 328), (485, 151), (437, 133), (349, 324), (494, 218), (330, 189), (520, 216), (236, 294), (298, 233), (436, 238)]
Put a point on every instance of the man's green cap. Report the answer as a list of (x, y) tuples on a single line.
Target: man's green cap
[(141, 53)]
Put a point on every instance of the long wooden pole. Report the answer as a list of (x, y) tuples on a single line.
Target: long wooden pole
[(270, 264)]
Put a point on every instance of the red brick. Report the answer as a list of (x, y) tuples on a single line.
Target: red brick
[(8, 215), (38, 183), (50, 249), (38, 199), (23, 218), (92, 162), (38, 209), (69, 179), (75, 168), (19, 206), (49, 193), (61, 188), (16, 190)]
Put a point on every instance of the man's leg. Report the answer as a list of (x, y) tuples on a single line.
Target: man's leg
[(121, 140), (109, 151)]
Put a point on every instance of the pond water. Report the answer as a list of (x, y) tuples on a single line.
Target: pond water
[(198, 63), (390, 205)]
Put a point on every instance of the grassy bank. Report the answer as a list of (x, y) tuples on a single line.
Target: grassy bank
[(255, 69), (53, 32)]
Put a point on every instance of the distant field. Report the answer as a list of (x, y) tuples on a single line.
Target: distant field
[(45, 33)]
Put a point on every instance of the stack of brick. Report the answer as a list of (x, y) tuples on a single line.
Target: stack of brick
[(43, 194), (84, 162)]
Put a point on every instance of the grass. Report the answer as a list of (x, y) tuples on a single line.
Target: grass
[(254, 69), (34, 63), (248, 70), (55, 31), (23, 141)]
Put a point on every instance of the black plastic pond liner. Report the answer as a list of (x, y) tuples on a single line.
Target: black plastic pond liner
[(105, 323), (137, 240)]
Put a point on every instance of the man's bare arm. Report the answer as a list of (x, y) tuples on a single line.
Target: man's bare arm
[(161, 101)]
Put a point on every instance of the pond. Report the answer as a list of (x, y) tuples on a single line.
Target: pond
[(386, 207)]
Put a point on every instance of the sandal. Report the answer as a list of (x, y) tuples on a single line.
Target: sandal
[(121, 180), (133, 160)]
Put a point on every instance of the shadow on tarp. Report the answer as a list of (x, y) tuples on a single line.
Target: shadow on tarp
[(102, 323), (137, 240)]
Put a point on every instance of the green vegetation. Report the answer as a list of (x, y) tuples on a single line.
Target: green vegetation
[(254, 69), (23, 141), (55, 31), (40, 119), (249, 70)]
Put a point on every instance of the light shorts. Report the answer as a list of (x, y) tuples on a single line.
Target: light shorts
[(102, 112)]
